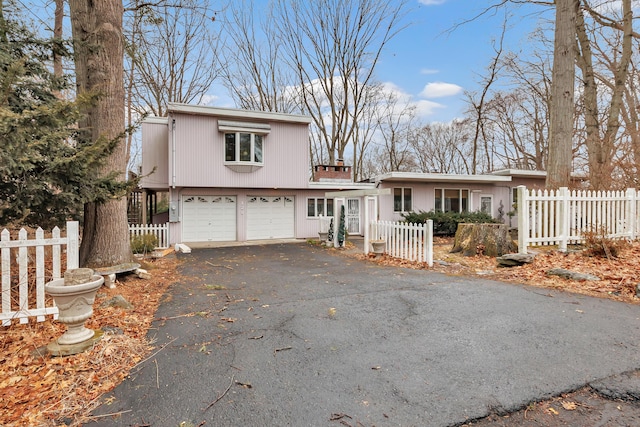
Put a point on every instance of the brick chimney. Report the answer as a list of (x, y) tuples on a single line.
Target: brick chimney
[(330, 173)]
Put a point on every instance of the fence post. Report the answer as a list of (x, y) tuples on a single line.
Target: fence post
[(73, 245), (563, 220), (523, 219), (429, 242), (631, 213)]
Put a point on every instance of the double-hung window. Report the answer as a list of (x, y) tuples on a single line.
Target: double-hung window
[(402, 199), (317, 206), (451, 200)]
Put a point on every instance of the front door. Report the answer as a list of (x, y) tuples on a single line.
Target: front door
[(353, 216)]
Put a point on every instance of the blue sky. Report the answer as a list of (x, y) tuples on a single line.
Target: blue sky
[(434, 64)]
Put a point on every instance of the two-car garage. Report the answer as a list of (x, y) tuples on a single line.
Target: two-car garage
[(215, 218)]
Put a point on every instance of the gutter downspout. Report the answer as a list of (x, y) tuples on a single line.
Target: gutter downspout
[(173, 153)]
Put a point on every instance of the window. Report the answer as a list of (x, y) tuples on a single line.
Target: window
[(241, 147), (450, 200), (402, 199), (486, 204), (319, 206)]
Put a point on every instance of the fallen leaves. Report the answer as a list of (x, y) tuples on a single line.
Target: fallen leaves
[(41, 390), (619, 275)]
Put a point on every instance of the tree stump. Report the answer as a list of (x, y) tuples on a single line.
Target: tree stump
[(483, 239)]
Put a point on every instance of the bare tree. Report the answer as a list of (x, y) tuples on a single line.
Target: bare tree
[(98, 53), (333, 46), (254, 72), (444, 147), (601, 132), (172, 54), (562, 95)]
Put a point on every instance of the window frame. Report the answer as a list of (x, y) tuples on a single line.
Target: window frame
[(325, 207), (403, 199), (490, 197), (238, 142), (443, 199)]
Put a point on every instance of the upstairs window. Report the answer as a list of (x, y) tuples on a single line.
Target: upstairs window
[(241, 147)]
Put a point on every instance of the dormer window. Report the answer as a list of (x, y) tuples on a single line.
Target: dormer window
[(240, 147), (243, 144)]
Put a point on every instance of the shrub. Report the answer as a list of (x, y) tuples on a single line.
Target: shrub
[(144, 243), (598, 244), (446, 223)]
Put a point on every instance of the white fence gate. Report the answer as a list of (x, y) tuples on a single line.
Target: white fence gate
[(561, 217), (18, 306), (413, 242), (161, 231)]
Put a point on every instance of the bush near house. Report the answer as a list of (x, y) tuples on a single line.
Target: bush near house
[(144, 243), (446, 223)]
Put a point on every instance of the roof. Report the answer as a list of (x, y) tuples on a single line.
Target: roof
[(237, 113), (520, 173), (439, 177)]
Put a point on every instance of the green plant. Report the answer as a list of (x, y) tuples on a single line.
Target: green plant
[(330, 233), (446, 223), (342, 228), (144, 243), (598, 244)]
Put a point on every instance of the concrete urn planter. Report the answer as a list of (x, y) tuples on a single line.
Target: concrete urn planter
[(74, 300), (323, 236), (378, 246)]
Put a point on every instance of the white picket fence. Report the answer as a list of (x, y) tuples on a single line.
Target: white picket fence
[(18, 306), (161, 231), (561, 217), (413, 242)]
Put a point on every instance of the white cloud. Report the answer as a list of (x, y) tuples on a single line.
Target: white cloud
[(431, 2), (440, 90)]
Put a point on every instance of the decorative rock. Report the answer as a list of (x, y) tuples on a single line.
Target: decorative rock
[(77, 276), (143, 274), (568, 274), (514, 260), (118, 301)]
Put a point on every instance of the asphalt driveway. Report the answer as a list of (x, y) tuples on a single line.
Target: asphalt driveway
[(295, 335)]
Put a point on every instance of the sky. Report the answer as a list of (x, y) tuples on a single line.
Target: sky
[(441, 53), (445, 52)]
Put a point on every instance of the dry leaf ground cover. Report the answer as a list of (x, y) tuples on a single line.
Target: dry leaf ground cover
[(620, 275), (39, 390)]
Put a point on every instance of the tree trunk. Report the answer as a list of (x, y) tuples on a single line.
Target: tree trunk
[(98, 53), (562, 95), (483, 239)]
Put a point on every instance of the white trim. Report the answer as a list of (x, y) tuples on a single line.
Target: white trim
[(236, 113), (359, 193), (438, 177), (156, 120), (244, 127)]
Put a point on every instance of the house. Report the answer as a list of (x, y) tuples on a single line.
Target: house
[(237, 175)]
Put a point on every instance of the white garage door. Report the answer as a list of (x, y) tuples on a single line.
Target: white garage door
[(208, 218), (270, 217)]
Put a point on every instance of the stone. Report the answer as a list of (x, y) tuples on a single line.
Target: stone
[(54, 348), (514, 260), (110, 280), (638, 290), (143, 274), (118, 301), (568, 274), (77, 276)]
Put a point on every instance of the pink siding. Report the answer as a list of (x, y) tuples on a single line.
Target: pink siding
[(155, 153), (200, 156), (304, 228)]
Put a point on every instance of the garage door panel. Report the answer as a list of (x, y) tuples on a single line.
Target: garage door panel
[(270, 217), (208, 218)]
